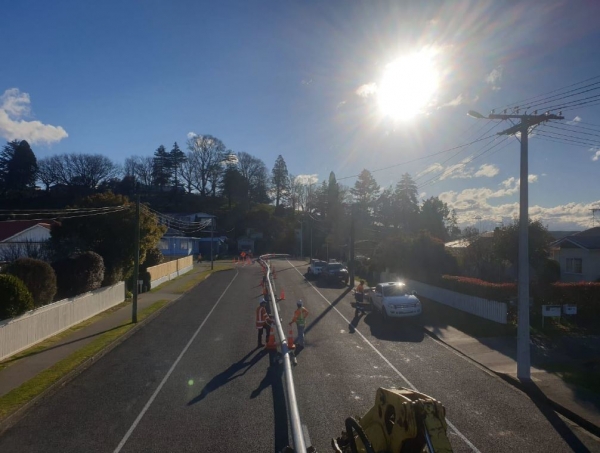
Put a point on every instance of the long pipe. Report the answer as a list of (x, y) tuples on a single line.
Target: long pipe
[(292, 406)]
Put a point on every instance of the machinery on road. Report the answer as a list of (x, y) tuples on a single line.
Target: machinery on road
[(400, 421)]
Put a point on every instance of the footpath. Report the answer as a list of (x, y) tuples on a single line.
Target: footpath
[(498, 355), (25, 366)]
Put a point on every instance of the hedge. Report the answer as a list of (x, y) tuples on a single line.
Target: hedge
[(15, 298), (79, 274), (475, 287), (38, 276)]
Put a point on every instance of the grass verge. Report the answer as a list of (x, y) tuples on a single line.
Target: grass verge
[(16, 398)]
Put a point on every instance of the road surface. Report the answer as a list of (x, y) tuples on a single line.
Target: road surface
[(193, 380)]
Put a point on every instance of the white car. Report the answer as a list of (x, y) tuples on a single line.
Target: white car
[(395, 300), (314, 270)]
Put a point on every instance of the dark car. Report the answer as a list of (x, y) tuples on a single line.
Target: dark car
[(334, 272)]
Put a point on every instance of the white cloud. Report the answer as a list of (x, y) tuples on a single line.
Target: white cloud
[(307, 179), (495, 77), (575, 120), (191, 135), (458, 100), (14, 106), (487, 170), (366, 90), (596, 155), (422, 195), (532, 178), (432, 168)]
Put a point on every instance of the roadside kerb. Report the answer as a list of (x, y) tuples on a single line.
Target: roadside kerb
[(528, 388)]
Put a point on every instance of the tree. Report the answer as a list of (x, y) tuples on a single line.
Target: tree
[(384, 208), (109, 235), (162, 171), (506, 243), (47, 172), (255, 172), (206, 156), (365, 193), (86, 171), (15, 298), (141, 168), (453, 229), (433, 216), (233, 185), (406, 204), (176, 158), (38, 276), (18, 166), (280, 180)]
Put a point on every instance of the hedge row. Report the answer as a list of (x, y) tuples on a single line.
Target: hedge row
[(479, 288)]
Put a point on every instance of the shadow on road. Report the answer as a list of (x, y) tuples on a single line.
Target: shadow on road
[(327, 310), (274, 379), (540, 400), (404, 330), (229, 374)]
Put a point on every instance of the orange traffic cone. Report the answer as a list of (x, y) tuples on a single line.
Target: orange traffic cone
[(282, 295), (271, 346), (290, 340)]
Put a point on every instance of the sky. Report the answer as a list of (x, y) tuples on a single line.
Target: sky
[(310, 80)]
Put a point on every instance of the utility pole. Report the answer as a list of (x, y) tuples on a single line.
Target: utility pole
[(212, 235), (311, 248), (352, 239), (136, 260), (527, 121)]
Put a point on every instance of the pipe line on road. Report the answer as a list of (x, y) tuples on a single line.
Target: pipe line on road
[(290, 391)]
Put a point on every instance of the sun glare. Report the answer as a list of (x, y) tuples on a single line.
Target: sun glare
[(408, 85)]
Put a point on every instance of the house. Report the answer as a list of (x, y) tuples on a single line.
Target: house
[(579, 256), (20, 238), (179, 246)]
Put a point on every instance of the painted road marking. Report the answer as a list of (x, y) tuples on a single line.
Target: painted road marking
[(456, 431), (162, 383)]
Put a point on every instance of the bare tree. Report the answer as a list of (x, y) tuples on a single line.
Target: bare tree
[(256, 173), (140, 167), (208, 154), (187, 172), (83, 170), (48, 169)]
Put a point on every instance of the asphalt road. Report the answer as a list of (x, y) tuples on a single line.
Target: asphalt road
[(192, 380)]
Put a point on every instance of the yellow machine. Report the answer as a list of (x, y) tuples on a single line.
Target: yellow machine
[(401, 421)]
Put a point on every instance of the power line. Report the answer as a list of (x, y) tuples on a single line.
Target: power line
[(574, 131), (66, 217), (566, 139), (579, 139), (573, 103), (562, 96), (58, 212)]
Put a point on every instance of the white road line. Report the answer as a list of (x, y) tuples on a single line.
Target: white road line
[(456, 431), (160, 386)]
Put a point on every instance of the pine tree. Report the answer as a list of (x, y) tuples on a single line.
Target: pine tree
[(280, 180), (18, 166), (176, 158), (406, 204), (161, 167)]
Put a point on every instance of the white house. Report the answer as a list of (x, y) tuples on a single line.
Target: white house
[(579, 256), (19, 238)]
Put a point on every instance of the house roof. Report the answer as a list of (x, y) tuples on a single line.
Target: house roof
[(588, 239), (11, 228)]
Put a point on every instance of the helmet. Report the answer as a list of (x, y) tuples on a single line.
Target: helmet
[(263, 300), (299, 303)]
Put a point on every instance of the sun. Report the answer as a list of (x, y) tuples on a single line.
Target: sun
[(407, 85)]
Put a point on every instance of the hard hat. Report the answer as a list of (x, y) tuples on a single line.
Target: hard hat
[(263, 300), (299, 303)]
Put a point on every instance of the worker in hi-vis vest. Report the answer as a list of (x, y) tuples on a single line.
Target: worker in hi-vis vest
[(300, 319), (263, 322)]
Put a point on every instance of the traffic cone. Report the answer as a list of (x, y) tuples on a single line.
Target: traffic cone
[(271, 346), (290, 340), (282, 295)]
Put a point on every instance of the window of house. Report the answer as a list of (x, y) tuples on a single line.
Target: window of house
[(574, 265), (184, 245), (164, 244)]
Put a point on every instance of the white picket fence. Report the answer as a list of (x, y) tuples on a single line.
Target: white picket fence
[(484, 308), (21, 332)]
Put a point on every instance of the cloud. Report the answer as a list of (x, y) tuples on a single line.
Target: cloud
[(532, 178), (422, 195), (575, 120), (461, 171), (306, 81), (307, 180), (596, 155), (366, 90), (495, 77), (191, 135), (458, 100), (14, 106), (487, 170), (340, 105)]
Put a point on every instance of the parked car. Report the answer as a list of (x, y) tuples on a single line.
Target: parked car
[(334, 272), (314, 269), (395, 300)]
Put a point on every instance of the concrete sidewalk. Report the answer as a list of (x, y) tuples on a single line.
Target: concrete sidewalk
[(498, 354), (23, 368)]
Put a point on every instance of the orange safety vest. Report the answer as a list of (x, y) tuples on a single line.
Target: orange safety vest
[(261, 317)]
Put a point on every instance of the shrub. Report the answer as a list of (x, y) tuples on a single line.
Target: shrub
[(475, 287), (153, 257), (586, 295), (15, 298), (38, 276), (79, 274)]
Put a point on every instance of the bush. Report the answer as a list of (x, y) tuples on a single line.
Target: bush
[(15, 298), (154, 257), (79, 274), (586, 295), (475, 287), (38, 276)]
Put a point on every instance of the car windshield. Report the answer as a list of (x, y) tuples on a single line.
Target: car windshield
[(319, 264), (334, 267), (395, 290)]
